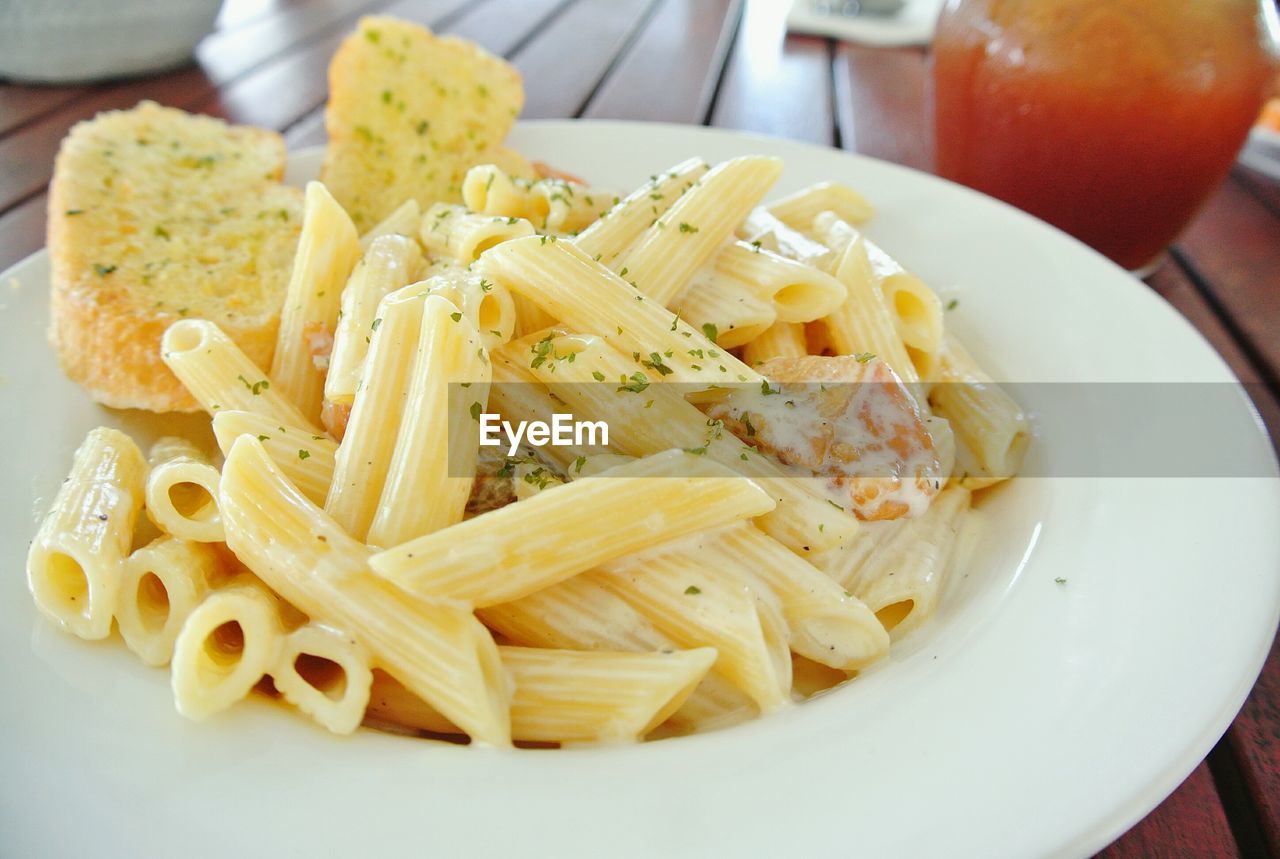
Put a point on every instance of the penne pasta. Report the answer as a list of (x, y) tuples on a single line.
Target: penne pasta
[(568, 696), (436, 649), (161, 585), (615, 232), (182, 491), (826, 624), (698, 605), (762, 229), (576, 696), (727, 310), (567, 207), (76, 560), (220, 376), (434, 460), (898, 567), (488, 306), (797, 292), (391, 262), (227, 644), (692, 231), (325, 673), (305, 457), (913, 306), (991, 431), (799, 209), (488, 190), (363, 459), (462, 236), (586, 296), (327, 251), (582, 614), (863, 324), (504, 555), (779, 340)]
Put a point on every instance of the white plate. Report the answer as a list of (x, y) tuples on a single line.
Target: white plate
[(1030, 718)]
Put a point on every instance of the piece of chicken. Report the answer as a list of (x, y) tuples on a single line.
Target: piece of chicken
[(847, 421)]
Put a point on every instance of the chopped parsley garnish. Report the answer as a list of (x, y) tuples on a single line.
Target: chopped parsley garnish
[(951, 305), (655, 363), (475, 412), (692, 590), (687, 227), (635, 383), (103, 270), (864, 357), (304, 454), (709, 329), (765, 390), (597, 375)]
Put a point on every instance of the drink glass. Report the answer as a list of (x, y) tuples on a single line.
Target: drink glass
[(1111, 119)]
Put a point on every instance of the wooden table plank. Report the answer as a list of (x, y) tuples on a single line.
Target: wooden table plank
[(20, 104), (1189, 823), (1266, 189), (1254, 739), (671, 71), (555, 89), (501, 26), (882, 104), (775, 83), (1234, 246)]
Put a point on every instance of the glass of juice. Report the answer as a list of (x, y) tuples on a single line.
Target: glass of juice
[(1111, 119)]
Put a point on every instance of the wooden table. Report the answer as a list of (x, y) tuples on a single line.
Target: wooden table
[(724, 63)]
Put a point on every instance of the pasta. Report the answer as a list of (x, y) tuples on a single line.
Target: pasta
[(504, 556), (426, 488), (220, 376), (325, 674), (436, 649), (586, 296), (161, 586), (76, 559), (182, 491), (991, 431), (674, 563), (454, 233), (225, 647), (327, 251), (390, 262)]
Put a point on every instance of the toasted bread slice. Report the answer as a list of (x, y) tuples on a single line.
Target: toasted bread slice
[(409, 113), (156, 215)]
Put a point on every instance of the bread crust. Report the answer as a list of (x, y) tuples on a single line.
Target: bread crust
[(105, 334)]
